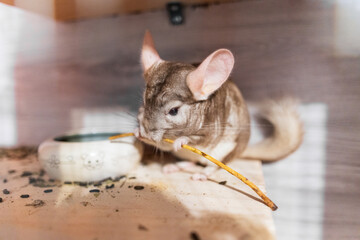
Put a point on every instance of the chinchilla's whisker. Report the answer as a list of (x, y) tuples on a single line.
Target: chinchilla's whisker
[(138, 95), (120, 124), (115, 128), (156, 150), (162, 156), (126, 114)]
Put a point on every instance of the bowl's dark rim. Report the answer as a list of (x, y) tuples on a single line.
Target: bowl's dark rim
[(94, 136)]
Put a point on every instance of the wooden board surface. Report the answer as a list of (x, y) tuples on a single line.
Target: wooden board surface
[(79, 9), (169, 207)]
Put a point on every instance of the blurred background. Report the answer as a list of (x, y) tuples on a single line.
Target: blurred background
[(68, 65)]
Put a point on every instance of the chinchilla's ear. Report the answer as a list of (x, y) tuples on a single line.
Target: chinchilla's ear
[(211, 74), (149, 55)]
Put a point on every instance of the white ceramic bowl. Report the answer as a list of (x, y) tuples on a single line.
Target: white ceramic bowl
[(89, 157)]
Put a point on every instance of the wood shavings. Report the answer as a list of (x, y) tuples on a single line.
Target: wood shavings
[(36, 203), (17, 153)]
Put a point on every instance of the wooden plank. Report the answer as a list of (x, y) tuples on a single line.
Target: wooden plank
[(94, 8), (169, 207), (42, 7), (8, 2), (65, 10)]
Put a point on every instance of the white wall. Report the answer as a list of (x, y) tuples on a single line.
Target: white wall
[(10, 22)]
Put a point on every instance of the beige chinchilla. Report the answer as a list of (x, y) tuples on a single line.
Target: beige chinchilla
[(201, 106)]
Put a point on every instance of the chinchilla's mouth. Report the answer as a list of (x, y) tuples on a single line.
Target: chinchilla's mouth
[(156, 136)]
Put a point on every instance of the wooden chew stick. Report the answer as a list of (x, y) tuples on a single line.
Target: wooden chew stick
[(266, 200)]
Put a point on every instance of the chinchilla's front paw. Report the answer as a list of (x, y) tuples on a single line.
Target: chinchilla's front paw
[(205, 174), (170, 168), (179, 142), (199, 177)]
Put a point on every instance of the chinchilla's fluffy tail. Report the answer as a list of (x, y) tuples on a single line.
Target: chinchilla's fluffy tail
[(286, 135)]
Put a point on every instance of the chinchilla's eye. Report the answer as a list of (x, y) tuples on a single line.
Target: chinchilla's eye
[(174, 111)]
